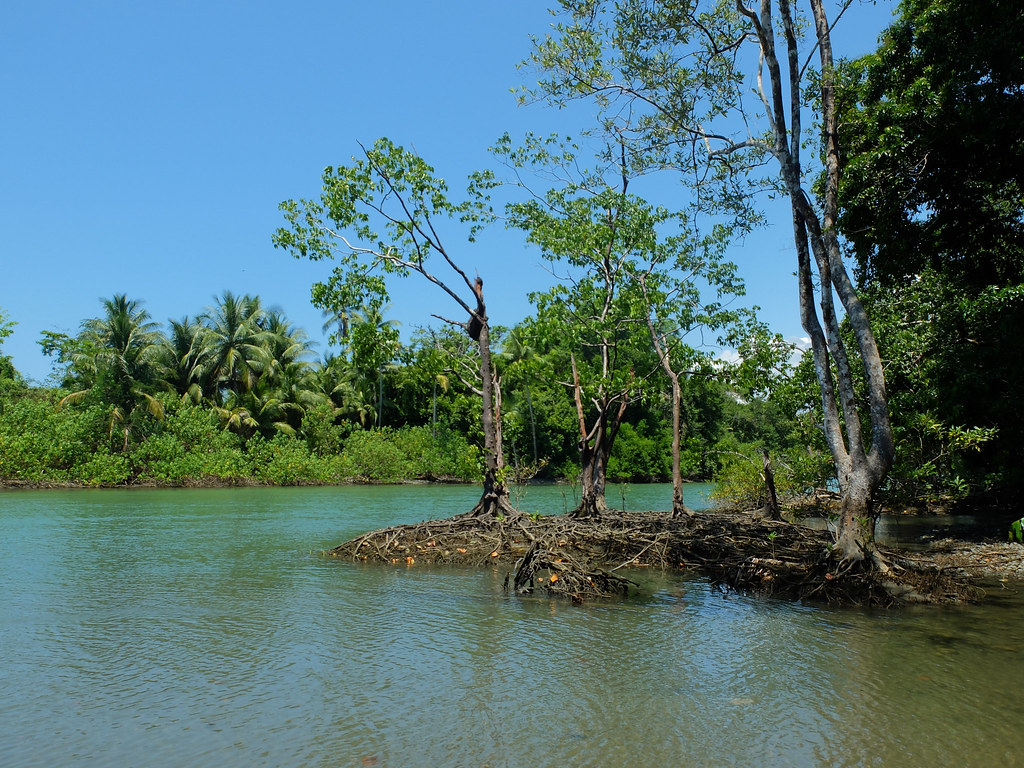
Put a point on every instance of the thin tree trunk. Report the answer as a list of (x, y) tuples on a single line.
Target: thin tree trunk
[(679, 508), (495, 498), (772, 505), (859, 469), (433, 412)]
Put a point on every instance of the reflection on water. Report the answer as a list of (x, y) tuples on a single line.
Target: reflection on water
[(917, 532), (200, 628)]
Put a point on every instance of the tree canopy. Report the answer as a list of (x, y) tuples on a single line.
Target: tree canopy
[(932, 205)]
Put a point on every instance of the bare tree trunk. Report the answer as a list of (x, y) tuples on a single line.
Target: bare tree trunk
[(860, 469), (679, 508), (772, 504), (533, 423), (592, 500), (433, 411), (495, 499), (856, 518), (595, 448)]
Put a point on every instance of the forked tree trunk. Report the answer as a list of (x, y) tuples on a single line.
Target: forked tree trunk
[(592, 482), (861, 465)]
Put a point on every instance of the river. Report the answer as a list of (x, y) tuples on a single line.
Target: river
[(202, 628)]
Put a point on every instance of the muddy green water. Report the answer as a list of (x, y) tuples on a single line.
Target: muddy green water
[(201, 628)]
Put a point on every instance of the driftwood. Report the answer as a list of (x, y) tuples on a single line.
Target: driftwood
[(585, 558)]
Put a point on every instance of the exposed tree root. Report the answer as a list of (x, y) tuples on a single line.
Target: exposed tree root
[(557, 573), (579, 557)]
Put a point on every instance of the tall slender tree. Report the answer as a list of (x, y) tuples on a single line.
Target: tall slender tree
[(638, 279), (932, 203), (394, 189)]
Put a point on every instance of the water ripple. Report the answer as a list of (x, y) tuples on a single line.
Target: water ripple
[(196, 630)]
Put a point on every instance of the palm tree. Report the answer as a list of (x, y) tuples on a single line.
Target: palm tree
[(239, 414), (339, 381), (236, 342), (184, 357), (289, 383), (337, 321), (118, 360), (295, 392), (284, 343)]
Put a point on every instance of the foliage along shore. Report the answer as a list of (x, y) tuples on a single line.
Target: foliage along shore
[(42, 446)]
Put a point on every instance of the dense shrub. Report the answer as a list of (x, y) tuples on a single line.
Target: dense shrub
[(638, 456), (445, 455), (103, 469), (372, 456), (40, 443), (285, 461)]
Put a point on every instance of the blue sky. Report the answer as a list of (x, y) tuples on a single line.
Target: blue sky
[(147, 145)]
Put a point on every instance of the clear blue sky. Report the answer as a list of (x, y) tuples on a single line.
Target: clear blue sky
[(146, 146)]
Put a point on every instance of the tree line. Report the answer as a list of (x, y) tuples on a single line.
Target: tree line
[(237, 394)]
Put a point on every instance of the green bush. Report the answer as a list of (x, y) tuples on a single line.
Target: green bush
[(285, 461), (323, 436), (188, 446), (40, 443), (638, 456), (446, 455), (372, 456), (43, 443), (103, 469)]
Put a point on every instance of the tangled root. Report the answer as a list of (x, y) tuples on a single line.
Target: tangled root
[(578, 558)]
